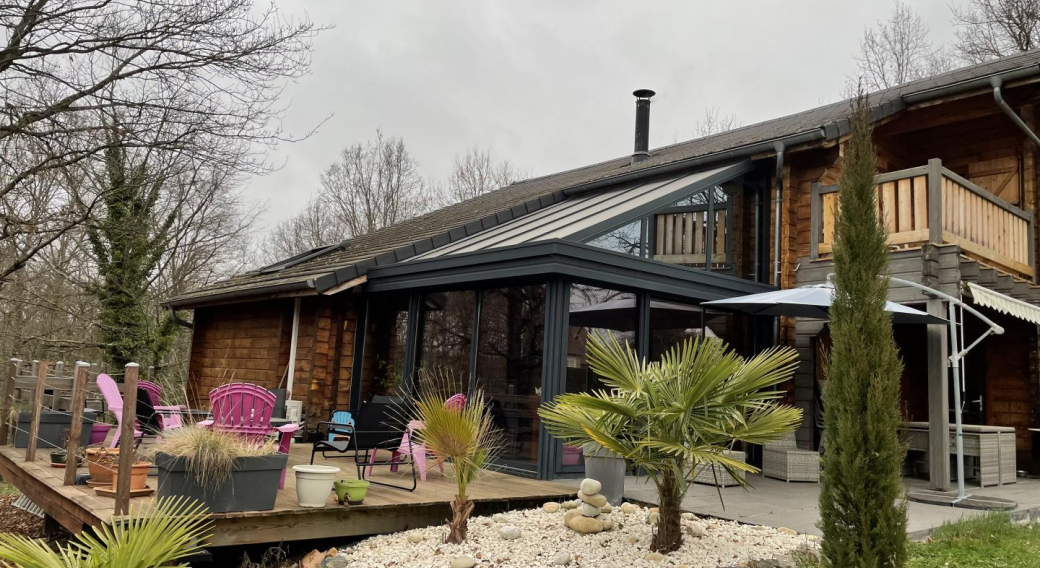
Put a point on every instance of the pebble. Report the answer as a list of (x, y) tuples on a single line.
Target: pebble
[(689, 517), (588, 510), (551, 507), (585, 525), (590, 486), (606, 509), (629, 508), (653, 518), (787, 531), (655, 557), (334, 562), (463, 562), (630, 540), (595, 499), (561, 559), (509, 532), (415, 538), (696, 531), (571, 504), (500, 518)]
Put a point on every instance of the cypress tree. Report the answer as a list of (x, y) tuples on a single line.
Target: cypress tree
[(863, 516)]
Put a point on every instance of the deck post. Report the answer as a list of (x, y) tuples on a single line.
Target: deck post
[(938, 402), (7, 403), (935, 201), (126, 439), (79, 398), (34, 421)]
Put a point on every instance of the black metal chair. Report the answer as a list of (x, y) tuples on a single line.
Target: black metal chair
[(373, 430)]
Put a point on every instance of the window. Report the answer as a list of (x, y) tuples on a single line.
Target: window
[(386, 340), (509, 367), (627, 239), (672, 323), (447, 333)]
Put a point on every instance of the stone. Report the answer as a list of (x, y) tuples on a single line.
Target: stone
[(509, 532), (655, 557), (689, 517), (787, 531), (462, 562), (570, 515), (585, 525), (606, 509), (696, 530), (334, 562), (629, 508), (653, 518), (415, 537), (332, 552), (588, 510), (631, 540), (500, 518), (561, 559), (590, 486), (571, 504), (608, 523), (596, 500), (551, 507), (653, 510), (313, 559)]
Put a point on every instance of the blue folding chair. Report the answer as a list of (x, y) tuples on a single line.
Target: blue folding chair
[(341, 424)]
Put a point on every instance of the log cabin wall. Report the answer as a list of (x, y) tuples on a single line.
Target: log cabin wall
[(249, 342)]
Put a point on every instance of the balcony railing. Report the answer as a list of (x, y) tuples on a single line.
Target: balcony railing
[(933, 204)]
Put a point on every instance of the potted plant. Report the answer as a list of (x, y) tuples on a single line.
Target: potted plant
[(353, 491), (102, 463), (138, 475), (100, 429), (224, 471), (54, 426), (314, 483)]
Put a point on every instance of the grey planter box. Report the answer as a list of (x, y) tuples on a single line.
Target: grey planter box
[(609, 469), (53, 427), (253, 485)]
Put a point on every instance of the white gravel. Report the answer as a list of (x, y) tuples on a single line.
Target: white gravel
[(543, 537)]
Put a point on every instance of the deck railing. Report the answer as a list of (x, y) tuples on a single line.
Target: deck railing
[(933, 204)]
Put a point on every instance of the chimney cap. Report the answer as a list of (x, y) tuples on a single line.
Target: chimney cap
[(643, 93)]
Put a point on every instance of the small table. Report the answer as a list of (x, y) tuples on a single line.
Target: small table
[(993, 447)]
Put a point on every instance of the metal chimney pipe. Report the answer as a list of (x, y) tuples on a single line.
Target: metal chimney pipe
[(642, 148)]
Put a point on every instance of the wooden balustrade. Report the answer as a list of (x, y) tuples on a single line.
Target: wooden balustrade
[(933, 204), (682, 237)]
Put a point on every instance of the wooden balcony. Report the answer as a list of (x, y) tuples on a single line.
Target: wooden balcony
[(932, 204)]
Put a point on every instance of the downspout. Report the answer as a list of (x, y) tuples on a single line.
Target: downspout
[(779, 146), (1021, 124)]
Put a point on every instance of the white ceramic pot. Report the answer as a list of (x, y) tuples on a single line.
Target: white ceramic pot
[(314, 484)]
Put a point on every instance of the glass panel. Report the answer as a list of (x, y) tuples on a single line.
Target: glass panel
[(627, 239), (594, 312), (447, 332), (509, 367), (382, 369), (671, 323)]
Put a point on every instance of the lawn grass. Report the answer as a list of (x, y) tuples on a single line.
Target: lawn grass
[(7, 488), (985, 541)]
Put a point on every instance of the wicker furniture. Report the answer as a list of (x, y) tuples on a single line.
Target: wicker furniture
[(720, 477), (991, 447), (783, 460)]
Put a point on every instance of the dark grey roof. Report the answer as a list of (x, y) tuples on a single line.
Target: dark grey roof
[(347, 260)]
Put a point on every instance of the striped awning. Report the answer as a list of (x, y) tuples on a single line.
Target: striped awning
[(1004, 304)]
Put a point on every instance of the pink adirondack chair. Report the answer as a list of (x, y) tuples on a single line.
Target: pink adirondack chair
[(169, 420), (114, 402), (455, 402), (246, 409)]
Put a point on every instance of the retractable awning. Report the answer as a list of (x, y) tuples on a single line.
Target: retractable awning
[(1004, 304)]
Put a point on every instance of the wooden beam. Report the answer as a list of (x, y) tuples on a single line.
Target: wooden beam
[(126, 439), (938, 401), (34, 420), (8, 401), (79, 397)]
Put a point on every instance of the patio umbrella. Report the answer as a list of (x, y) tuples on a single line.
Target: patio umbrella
[(812, 301)]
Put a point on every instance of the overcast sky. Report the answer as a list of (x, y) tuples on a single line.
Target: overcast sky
[(548, 84)]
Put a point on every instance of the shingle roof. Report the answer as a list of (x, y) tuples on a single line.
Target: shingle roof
[(430, 230)]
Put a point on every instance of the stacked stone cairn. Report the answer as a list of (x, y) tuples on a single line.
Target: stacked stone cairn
[(590, 514)]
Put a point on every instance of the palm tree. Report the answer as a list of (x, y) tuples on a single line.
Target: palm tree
[(155, 535), (462, 434), (669, 415)]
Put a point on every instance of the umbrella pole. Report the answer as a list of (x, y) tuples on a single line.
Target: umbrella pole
[(955, 364)]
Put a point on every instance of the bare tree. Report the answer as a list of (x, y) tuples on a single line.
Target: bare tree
[(990, 29), (373, 185), (898, 50), (476, 173), (714, 122), (312, 228), (196, 78)]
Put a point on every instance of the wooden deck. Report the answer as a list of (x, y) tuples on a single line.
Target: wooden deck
[(384, 510)]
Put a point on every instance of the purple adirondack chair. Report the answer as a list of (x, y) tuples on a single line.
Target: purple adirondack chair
[(114, 402), (246, 409), (169, 420)]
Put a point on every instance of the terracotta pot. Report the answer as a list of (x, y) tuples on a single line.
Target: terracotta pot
[(138, 476), (102, 462)]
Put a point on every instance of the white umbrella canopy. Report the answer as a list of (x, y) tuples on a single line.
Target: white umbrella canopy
[(813, 301)]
